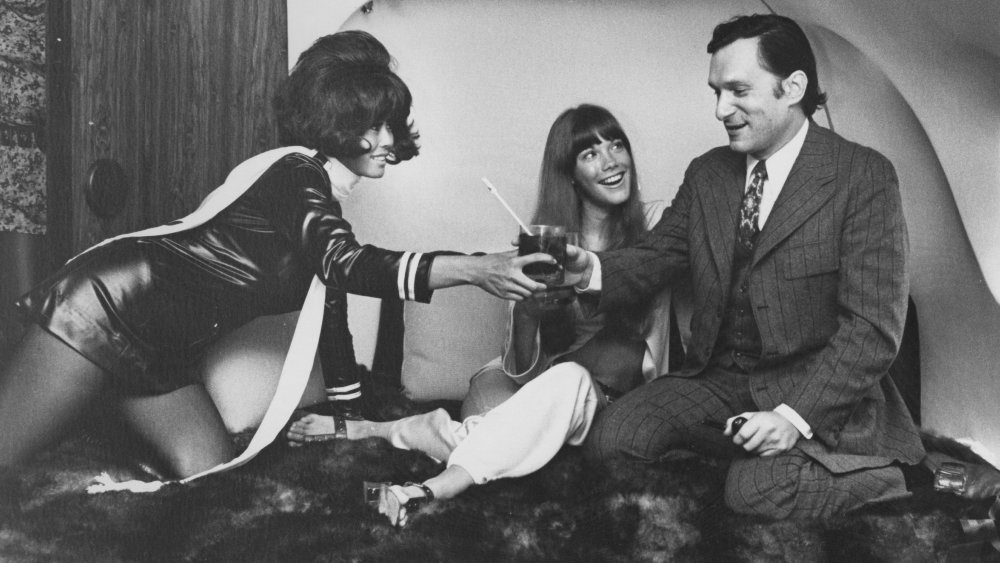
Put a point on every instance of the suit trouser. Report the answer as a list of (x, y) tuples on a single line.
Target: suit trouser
[(667, 414), (515, 431)]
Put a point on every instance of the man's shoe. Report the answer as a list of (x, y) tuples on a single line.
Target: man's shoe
[(973, 481)]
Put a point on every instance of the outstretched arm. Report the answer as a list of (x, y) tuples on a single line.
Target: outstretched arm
[(497, 274), (299, 208)]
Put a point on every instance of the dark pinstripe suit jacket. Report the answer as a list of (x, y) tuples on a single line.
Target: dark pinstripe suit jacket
[(828, 285)]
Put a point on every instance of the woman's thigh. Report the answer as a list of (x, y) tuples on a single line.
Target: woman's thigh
[(668, 413), (183, 427), (44, 388)]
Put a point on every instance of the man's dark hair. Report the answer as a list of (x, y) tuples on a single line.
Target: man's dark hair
[(782, 49)]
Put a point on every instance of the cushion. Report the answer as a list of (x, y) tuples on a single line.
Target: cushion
[(448, 340)]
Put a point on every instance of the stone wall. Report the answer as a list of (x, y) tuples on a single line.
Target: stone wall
[(22, 116)]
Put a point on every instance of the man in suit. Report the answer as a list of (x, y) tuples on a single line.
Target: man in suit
[(794, 242)]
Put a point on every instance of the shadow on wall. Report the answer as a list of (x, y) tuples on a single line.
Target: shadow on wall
[(959, 318)]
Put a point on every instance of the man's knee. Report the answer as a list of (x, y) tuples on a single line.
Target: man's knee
[(595, 450), (766, 486), (635, 428), (604, 440), (787, 485)]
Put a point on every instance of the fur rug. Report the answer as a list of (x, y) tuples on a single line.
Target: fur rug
[(305, 504)]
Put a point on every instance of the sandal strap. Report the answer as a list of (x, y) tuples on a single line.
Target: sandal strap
[(373, 490), (428, 493), (339, 426)]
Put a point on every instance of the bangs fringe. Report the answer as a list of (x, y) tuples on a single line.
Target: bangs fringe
[(608, 130)]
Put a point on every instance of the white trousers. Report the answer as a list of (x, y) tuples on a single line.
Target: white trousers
[(518, 436)]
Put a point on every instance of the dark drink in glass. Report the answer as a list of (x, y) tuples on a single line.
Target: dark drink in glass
[(551, 240)]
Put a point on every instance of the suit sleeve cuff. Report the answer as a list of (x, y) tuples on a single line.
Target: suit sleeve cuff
[(595, 276), (797, 421)]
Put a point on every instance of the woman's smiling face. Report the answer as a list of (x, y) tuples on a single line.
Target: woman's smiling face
[(603, 172), (371, 164)]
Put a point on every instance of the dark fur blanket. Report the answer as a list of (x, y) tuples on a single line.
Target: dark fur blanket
[(305, 504)]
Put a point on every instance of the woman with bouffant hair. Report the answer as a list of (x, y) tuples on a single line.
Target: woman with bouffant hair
[(339, 87), (129, 321)]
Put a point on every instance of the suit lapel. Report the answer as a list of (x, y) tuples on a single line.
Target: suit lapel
[(809, 185), (721, 196)]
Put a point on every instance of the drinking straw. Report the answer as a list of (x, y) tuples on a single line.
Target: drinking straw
[(493, 190)]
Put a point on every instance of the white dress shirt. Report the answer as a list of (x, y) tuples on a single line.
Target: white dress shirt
[(778, 168)]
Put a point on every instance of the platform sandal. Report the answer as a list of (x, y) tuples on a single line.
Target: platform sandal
[(382, 497)]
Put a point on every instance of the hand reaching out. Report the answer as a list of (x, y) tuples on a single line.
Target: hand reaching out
[(500, 274)]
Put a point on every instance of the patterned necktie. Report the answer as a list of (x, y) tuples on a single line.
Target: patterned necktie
[(750, 208)]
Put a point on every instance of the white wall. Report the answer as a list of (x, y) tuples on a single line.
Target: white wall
[(489, 77)]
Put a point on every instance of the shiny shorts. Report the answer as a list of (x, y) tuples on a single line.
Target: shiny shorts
[(116, 307)]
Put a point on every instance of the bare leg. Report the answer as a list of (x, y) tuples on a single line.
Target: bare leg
[(183, 427), (449, 483), (489, 387), (44, 388), (320, 424)]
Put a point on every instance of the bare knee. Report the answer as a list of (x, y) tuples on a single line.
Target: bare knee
[(183, 464), (183, 428)]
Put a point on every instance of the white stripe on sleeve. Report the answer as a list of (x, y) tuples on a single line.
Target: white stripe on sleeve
[(411, 283), (404, 262)]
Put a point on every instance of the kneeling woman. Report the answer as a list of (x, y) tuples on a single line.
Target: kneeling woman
[(130, 320), (558, 365)]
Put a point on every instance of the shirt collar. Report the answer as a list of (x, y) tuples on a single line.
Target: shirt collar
[(779, 165), (342, 180)]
